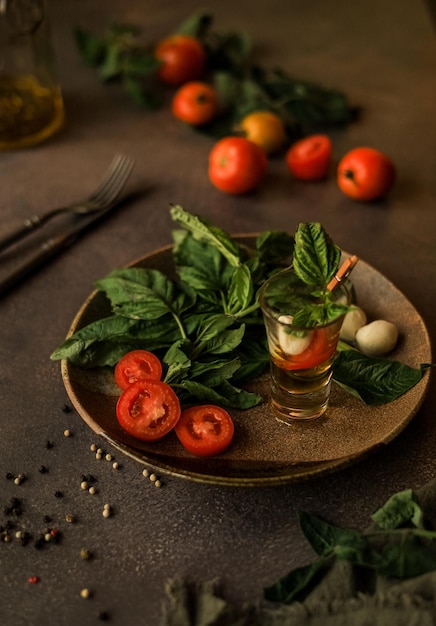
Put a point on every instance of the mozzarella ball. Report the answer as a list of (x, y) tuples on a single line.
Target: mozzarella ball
[(353, 320), (377, 338), (293, 342)]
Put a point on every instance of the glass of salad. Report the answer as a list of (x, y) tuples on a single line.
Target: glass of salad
[(302, 324)]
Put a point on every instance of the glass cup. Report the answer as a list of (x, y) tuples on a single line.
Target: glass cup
[(301, 358), (31, 104)]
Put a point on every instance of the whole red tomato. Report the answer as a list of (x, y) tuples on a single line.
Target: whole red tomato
[(183, 58), (237, 165), (365, 174), (309, 158), (195, 103)]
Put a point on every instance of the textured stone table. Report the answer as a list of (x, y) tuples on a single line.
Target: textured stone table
[(382, 53)]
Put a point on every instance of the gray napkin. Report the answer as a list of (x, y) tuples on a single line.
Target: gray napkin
[(341, 598)]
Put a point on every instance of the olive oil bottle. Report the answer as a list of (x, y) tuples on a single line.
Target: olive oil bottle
[(31, 103)]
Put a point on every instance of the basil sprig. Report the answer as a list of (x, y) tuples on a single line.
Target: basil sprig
[(316, 261)]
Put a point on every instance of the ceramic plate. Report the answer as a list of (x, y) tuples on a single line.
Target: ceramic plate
[(265, 451)]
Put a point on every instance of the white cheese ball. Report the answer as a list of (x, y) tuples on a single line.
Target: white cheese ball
[(377, 338), (353, 320), (293, 342)]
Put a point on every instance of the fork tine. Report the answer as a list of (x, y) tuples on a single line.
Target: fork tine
[(113, 182)]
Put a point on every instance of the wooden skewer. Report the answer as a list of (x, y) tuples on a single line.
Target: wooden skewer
[(343, 272)]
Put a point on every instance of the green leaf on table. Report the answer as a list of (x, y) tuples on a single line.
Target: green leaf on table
[(298, 583), (91, 48), (316, 257), (407, 558), (374, 380), (401, 508), (196, 25), (326, 538)]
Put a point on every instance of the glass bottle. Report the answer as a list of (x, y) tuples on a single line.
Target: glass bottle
[(31, 104)]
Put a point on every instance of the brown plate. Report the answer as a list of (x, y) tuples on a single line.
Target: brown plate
[(265, 451)]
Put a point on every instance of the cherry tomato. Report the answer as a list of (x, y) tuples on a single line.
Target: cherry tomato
[(237, 165), (136, 365), (195, 103), (205, 430), (309, 158), (320, 349), (266, 129), (365, 174), (183, 58), (148, 409)]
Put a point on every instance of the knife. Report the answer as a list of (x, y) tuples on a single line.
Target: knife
[(50, 248)]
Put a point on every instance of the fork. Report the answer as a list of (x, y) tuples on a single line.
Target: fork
[(104, 198), (100, 199)]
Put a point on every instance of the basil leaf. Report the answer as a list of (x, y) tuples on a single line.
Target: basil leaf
[(143, 293), (275, 247), (400, 509), (91, 48), (374, 380), (408, 558), (213, 373), (254, 357), (296, 585), (196, 25), (316, 257), (177, 361), (200, 265), (240, 290), (324, 537), (318, 314), (206, 232), (104, 341), (224, 394), (214, 337)]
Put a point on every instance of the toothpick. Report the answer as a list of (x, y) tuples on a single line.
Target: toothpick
[(343, 272)]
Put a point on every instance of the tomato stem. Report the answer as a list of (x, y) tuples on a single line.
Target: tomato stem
[(350, 175)]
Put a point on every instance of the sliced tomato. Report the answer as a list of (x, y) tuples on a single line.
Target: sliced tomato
[(137, 365), (318, 351), (148, 409), (205, 430)]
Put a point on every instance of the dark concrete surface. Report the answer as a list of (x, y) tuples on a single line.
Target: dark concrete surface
[(382, 53)]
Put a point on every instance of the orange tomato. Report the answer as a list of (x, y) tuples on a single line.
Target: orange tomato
[(266, 129)]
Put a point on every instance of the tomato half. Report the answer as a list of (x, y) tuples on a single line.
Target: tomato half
[(137, 365), (205, 430), (148, 409), (321, 348), (365, 174), (237, 165), (309, 158), (266, 129), (183, 58), (195, 103)]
